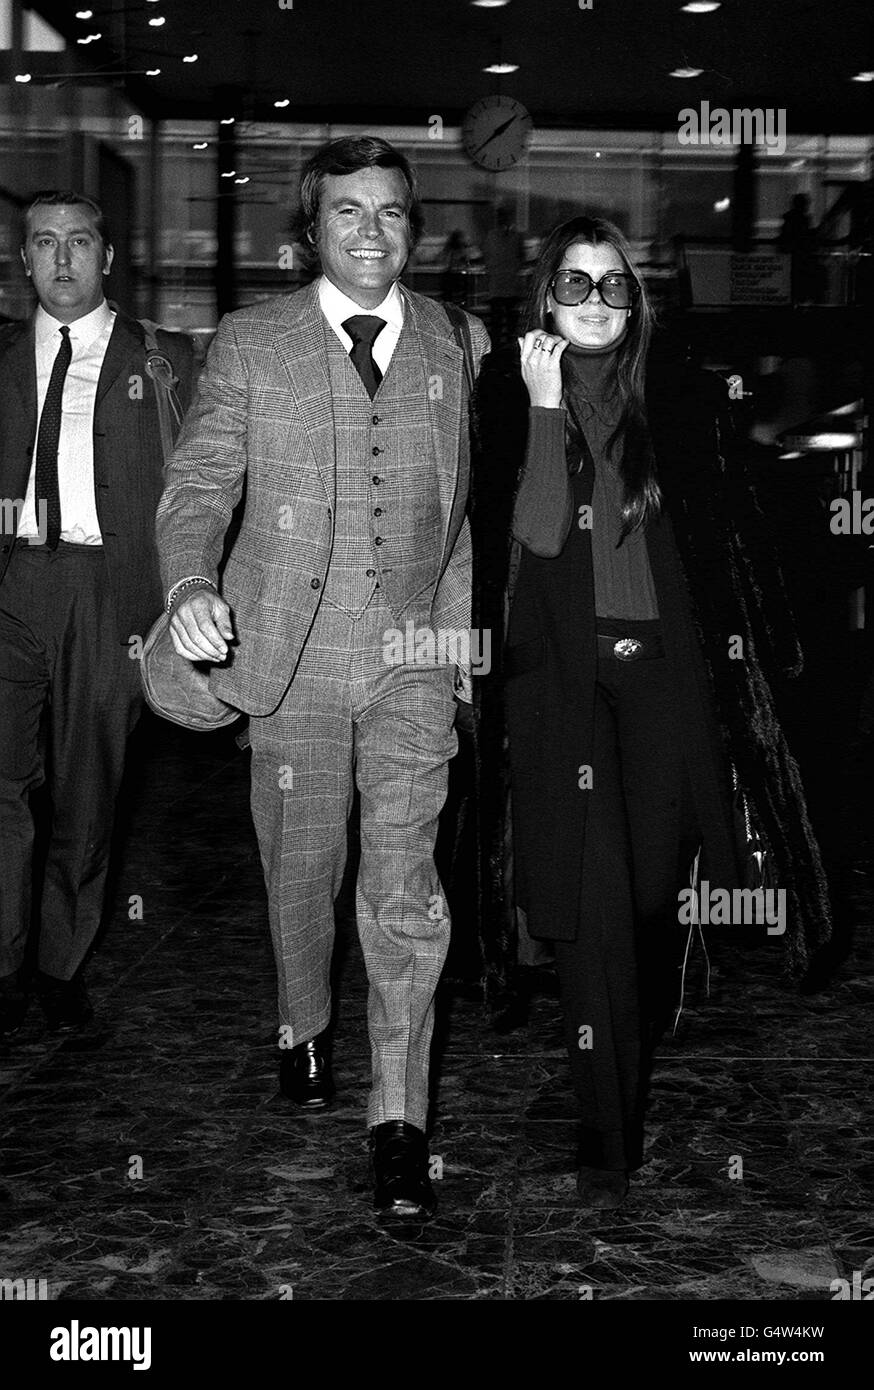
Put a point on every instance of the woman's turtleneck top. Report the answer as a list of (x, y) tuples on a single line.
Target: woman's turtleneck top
[(544, 509)]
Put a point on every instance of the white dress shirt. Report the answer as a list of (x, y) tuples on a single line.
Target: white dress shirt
[(337, 307), (89, 339)]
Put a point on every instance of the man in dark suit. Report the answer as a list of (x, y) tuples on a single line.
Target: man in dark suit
[(80, 478), (343, 409)]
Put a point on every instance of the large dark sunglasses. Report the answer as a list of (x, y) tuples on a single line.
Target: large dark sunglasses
[(617, 290)]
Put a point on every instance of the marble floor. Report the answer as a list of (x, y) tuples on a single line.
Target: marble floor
[(152, 1157)]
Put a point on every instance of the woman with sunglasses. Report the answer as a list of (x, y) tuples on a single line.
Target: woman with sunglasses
[(616, 551)]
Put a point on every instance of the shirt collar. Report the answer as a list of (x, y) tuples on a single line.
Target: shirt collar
[(337, 306), (85, 330)]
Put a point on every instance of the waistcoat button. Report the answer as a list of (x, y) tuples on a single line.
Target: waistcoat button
[(315, 583)]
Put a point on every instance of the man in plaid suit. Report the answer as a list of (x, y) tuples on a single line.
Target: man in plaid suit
[(343, 410)]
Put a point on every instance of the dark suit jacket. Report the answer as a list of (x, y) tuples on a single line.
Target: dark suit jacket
[(128, 462)]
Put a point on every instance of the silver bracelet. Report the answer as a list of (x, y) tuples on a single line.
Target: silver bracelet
[(184, 584)]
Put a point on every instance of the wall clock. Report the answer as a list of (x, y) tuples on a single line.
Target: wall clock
[(495, 132)]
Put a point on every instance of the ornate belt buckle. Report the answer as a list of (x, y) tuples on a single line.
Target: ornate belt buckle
[(627, 648)]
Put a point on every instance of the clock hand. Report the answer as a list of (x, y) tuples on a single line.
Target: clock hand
[(495, 133)]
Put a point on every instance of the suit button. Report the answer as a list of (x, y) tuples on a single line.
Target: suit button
[(376, 480), (374, 420), (315, 583), (377, 511), (376, 450), (369, 573), (377, 540)]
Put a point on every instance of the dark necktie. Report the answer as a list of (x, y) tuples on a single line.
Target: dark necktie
[(363, 329), (47, 493)]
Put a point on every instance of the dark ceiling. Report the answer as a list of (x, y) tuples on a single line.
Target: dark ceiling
[(401, 61)]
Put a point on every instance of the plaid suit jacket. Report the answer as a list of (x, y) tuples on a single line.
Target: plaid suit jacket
[(263, 419)]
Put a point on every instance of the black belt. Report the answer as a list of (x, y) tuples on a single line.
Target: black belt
[(630, 648)]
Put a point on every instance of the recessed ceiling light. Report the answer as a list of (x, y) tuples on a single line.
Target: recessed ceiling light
[(153, 72), (201, 145), (863, 77), (90, 38), (231, 173), (597, 154), (157, 21), (686, 72), (84, 14), (722, 205), (245, 179), (190, 58), (22, 77), (701, 6), (502, 69), (286, 101), (489, 4)]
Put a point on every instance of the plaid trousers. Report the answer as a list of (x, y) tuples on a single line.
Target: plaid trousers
[(348, 717)]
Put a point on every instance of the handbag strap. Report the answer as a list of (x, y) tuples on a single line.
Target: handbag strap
[(164, 379)]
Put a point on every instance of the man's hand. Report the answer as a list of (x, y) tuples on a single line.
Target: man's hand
[(200, 626), (541, 367)]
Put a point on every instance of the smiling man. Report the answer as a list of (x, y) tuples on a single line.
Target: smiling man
[(343, 410), (80, 478)]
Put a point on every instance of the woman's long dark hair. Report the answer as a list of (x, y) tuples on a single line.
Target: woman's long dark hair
[(642, 496)]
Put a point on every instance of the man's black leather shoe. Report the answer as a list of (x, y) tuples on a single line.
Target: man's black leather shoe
[(400, 1169), (65, 1003), (13, 1005), (305, 1074)]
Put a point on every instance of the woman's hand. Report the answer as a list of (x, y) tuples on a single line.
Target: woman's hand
[(541, 367)]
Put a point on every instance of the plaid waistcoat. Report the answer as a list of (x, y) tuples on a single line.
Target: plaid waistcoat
[(387, 527)]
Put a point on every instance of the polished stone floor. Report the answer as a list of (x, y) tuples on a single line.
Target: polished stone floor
[(153, 1157)]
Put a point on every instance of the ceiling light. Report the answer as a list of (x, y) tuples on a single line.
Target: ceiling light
[(686, 72), (245, 179), (84, 14), (489, 4), (157, 21), (22, 77), (190, 58), (286, 101), (153, 72), (792, 454), (227, 120), (90, 38), (597, 154), (863, 77), (722, 205), (502, 69), (230, 174), (701, 6), (201, 145)]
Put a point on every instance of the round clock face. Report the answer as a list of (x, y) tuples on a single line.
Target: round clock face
[(495, 132)]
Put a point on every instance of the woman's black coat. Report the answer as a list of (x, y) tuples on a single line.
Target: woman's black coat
[(716, 579)]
